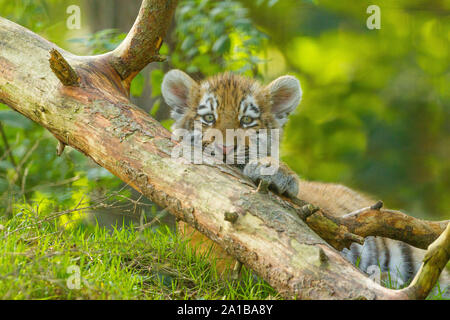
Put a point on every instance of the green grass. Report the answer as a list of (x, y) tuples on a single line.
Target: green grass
[(37, 252), (391, 282), (41, 248)]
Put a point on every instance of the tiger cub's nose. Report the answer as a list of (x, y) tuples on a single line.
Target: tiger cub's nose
[(224, 149)]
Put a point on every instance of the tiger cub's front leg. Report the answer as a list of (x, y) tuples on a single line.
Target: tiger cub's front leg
[(334, 199), (281, 178)]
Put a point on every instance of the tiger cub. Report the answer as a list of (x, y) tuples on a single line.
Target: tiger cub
[(229, 101)]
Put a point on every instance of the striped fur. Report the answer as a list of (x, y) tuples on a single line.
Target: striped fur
[(395, 262), (391, 263), (228, 99)]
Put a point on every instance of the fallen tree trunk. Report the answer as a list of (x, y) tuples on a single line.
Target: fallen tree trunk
[(84, 103)]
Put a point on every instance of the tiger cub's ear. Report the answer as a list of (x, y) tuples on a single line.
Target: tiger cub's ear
[(175, 88), (285, 95)]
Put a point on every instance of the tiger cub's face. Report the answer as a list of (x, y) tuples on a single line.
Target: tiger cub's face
[(229, 101)]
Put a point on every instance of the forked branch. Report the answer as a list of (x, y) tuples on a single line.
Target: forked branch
[(141, 45), (340, 232)]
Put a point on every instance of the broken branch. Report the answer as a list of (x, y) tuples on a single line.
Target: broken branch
[(62, 69), (141, 45), (375, 222)]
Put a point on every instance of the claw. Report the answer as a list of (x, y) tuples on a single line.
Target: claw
[(263, 186), (283, 181)]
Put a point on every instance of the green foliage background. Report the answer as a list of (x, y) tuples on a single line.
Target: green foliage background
[(375, 113)]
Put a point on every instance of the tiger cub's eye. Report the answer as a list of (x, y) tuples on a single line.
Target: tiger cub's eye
[(246, 120), (209, 118)]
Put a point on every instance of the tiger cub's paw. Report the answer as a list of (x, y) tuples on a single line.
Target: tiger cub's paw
[(280, 178)]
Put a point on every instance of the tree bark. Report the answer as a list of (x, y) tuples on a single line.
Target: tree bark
[(92, 113)]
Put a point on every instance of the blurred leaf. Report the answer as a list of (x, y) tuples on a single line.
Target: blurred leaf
[(222, 44), (137, 85), (155, 107), (167, 123), (164, 50), (187, 43), (14, 119), (156, 77)]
